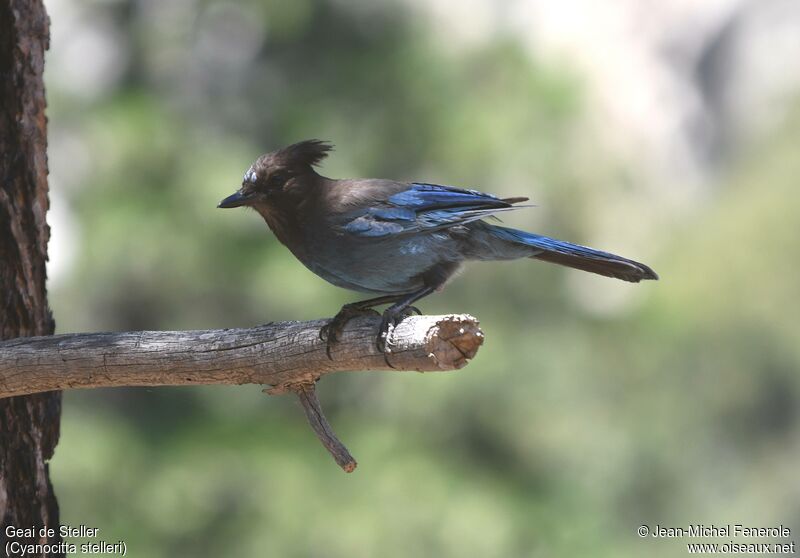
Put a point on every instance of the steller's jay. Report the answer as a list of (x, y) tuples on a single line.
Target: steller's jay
[(398, 240)]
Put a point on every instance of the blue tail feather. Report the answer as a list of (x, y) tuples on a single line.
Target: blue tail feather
[(576, 256)]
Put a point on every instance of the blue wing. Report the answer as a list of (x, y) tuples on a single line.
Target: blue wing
[(426, 207)]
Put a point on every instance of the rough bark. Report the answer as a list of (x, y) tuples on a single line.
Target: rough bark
[(29, 426), (279, 354)]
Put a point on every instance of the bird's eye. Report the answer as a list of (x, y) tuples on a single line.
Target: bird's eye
[(278, 178)]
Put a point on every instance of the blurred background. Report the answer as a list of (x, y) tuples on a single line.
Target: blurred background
[(663, 131)]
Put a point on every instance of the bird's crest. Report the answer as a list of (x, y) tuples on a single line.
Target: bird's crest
[(308, 152)]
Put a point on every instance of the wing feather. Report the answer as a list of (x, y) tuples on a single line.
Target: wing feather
[(426, 207)]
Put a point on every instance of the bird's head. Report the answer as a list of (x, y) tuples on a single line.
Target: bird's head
[(277, 172)]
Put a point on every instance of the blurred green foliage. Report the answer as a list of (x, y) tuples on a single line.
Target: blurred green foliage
[(569, 430)]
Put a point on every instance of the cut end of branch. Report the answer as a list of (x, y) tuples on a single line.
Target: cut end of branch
[(449, 341), (454, 340)]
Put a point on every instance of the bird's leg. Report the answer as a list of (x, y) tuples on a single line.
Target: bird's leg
[(396, 312), (332, 331)]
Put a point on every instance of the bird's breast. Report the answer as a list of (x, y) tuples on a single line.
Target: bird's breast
[(387, 265)]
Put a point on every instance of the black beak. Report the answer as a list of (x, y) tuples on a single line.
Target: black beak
[(234, 200)]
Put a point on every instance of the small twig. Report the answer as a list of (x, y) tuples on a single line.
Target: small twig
[(322, 428)]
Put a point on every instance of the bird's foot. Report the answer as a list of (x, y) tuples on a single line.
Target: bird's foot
[(331, 332), (390, 318)]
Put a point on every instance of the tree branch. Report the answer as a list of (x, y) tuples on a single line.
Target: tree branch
[(277, 354), (289, 356)]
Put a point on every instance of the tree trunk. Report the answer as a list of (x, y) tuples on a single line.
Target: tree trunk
[(29, 426)]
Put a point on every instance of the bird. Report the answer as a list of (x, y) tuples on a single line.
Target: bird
[(398, 241)]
